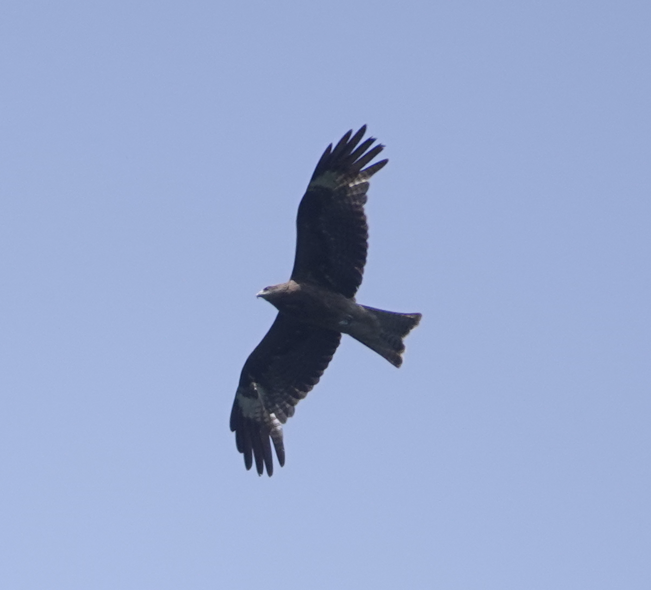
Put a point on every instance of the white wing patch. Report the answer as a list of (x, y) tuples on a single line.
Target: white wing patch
[(361, 179), (275, 423), (252, 408), (326, 180), (333, 180)]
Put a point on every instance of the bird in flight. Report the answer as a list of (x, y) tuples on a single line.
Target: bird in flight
[(317, 305)]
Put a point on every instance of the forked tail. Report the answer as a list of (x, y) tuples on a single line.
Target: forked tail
[(387, 336)]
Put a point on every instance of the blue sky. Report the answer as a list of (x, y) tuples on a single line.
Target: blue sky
[(152, 157)]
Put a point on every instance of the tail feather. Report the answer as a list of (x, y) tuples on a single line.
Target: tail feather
[(390, 329)]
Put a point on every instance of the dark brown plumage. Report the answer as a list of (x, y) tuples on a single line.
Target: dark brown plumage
[(317, 304)]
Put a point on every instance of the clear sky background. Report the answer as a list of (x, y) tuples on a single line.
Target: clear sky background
[(152, 158)]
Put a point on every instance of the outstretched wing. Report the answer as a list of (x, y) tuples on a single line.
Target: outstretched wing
[(331, 225), (282, 369)]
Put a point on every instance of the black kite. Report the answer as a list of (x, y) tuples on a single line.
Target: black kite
[(317, 305)]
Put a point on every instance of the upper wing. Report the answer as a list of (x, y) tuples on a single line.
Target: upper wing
[(281, 370), (331, 226)]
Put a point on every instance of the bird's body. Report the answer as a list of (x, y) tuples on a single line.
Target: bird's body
[(311, 304), (317, 304)]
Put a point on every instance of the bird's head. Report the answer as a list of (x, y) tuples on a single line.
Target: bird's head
[(269, 292), (277, 293)]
